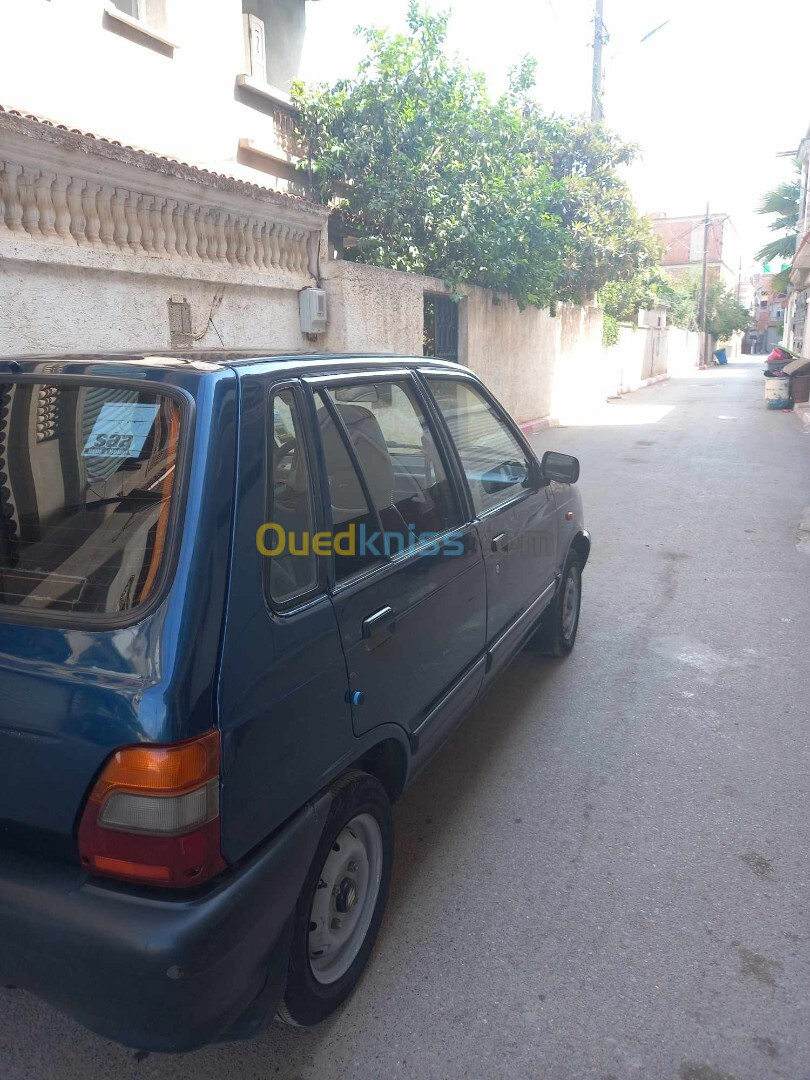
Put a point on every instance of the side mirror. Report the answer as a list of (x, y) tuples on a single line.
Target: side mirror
[(560, 467)]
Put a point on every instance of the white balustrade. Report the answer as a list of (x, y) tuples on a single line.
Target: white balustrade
[(57, 207)]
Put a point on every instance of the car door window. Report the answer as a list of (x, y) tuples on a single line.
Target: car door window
[(291, 568), (353, 520), (494, 461), (401, 463)]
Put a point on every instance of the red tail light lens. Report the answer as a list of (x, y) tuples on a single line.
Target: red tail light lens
[(153, 815)]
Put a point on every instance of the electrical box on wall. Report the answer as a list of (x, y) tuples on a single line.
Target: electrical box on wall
[(312, 306)]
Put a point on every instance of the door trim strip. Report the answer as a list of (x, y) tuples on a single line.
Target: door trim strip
[(520, 624)]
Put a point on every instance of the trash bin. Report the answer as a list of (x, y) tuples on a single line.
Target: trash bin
[(721, 356), (777, 392), (800, 387)]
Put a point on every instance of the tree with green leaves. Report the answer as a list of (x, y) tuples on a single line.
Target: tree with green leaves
[(725, 315), (782, 205), (434, 177)]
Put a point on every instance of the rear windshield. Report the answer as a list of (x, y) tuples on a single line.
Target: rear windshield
[(88, 474)]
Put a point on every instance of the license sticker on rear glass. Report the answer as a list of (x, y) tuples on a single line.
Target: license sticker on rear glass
[(121, 430)]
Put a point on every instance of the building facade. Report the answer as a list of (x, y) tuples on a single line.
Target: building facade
[(206, 84), (798, 336), (148, 189), (684, 239), (769, 310)]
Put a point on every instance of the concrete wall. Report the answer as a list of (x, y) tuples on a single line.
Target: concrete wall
[(48, 307), (373, 310), (76, 64), (95, 241), (683, 351), (648, 352), (535, 363)]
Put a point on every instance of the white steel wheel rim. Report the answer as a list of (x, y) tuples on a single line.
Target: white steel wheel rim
[(345, 899), (570, 604)]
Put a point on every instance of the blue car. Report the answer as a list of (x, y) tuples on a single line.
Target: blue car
[(243, 600)]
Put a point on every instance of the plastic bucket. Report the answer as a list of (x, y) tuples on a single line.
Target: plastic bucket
[(777, 393)]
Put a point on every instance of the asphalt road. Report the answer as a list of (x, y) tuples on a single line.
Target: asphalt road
[(605, 873)]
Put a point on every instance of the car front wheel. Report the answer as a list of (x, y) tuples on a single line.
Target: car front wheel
[(342, 902), (557, 632)]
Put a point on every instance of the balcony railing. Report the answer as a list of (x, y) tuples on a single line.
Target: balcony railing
[(85, 201)]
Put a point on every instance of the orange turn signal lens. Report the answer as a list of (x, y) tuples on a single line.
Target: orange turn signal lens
[(160, 770), (123, 868)]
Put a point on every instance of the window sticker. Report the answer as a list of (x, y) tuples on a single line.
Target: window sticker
[(121, 430)]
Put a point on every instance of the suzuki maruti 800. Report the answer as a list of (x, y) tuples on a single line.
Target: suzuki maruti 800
[(243, 600)]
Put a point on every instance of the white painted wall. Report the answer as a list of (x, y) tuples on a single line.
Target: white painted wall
[(647, 352), (536, 363), (69, 61)]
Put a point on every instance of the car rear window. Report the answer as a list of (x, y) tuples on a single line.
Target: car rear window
[(88, 477)]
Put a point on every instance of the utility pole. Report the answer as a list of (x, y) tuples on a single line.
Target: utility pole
[(599, 39), (704, 291)]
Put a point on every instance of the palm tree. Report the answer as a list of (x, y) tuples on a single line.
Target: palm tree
[(782, 204)]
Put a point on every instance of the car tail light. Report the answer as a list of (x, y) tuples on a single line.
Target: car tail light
[(153, 815)]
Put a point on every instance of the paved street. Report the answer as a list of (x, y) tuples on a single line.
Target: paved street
[(605, 874)]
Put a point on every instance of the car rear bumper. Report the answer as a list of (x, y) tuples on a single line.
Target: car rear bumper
[(157, 972)]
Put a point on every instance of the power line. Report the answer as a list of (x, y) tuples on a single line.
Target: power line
[(655, 31)]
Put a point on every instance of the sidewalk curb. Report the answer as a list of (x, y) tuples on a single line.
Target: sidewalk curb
[(644, 383), (531, 427)]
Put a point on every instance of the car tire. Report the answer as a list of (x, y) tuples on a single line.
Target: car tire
[(342, 901), (557, 633)]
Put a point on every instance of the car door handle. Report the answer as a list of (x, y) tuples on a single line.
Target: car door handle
[(499, 542), (379, 626)]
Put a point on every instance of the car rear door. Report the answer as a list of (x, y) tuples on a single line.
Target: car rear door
[(516, 519), (407, 578), (282, 693)]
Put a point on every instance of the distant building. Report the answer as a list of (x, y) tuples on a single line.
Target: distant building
[(684, 237), (768, 307)]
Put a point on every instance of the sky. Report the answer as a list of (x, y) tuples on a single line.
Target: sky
[(711, 100)]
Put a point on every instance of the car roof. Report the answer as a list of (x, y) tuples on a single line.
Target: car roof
[(202, 359)]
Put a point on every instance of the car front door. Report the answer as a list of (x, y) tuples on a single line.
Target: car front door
[(408, 581), (516, 516)]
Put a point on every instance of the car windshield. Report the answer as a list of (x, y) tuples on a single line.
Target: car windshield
[(87, 482)]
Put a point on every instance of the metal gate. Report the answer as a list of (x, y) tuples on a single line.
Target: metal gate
[(441, 327)]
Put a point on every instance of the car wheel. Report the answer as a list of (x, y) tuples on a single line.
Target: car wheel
[(557, 632), (342, 902)]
